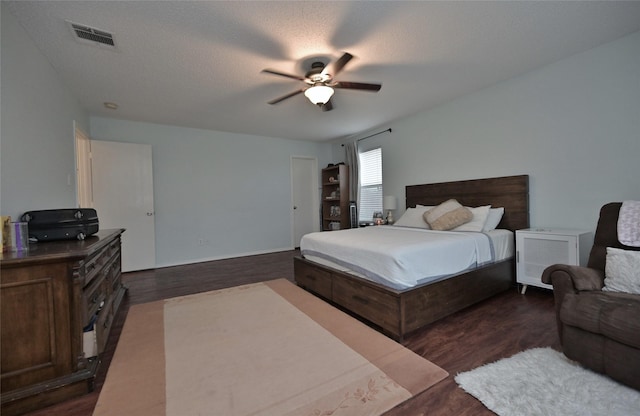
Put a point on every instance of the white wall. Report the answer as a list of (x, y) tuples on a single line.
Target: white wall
[(231, 189), (573, 126), (37, 162)]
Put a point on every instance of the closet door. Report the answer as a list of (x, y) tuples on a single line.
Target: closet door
[(304, 195), (122, 179)]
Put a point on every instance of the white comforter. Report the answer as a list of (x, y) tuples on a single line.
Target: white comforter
[(398, 255)]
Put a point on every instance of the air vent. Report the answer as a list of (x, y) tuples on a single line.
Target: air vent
[(97, 37)]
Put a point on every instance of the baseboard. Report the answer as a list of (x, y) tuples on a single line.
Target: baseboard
[(225, 257)]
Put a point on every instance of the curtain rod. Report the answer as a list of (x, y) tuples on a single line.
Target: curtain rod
[(374, 134)]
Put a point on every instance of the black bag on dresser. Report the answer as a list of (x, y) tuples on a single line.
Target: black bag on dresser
[(61, 224)]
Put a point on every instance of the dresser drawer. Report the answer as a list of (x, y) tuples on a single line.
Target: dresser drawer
[(50, 293), (379, 307), (93, 298), (313, 279), (114, 278), (93, 265), (113, 248), (103, 326)]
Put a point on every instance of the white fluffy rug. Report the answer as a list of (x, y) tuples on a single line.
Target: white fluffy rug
[(541, 382)]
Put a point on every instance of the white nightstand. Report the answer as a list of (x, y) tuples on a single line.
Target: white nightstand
[(537, 248)]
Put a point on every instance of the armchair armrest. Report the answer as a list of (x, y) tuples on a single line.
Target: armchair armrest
[(574, 278), (570, 279)]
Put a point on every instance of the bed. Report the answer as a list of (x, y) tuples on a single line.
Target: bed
[(398, 311)]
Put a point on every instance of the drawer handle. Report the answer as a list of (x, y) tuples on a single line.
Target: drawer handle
[(311, 277), (361, 299), (91, 266)]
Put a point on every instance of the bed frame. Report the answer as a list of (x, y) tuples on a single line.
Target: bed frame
[(399, 312)]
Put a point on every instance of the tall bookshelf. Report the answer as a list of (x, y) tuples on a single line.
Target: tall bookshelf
[(335, 198)]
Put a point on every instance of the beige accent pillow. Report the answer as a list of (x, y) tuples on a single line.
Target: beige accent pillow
[(448, 215), (435, 212)]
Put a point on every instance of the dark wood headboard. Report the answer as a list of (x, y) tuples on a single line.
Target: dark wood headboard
[(510, 192)]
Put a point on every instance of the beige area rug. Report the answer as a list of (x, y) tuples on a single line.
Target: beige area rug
[(261, 349), (543, 382)]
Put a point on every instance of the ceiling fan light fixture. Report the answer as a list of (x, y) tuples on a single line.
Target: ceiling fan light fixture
[(319, 94), (320, 83)]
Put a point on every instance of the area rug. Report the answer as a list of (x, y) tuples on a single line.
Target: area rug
[(541, 382), (261, 349)]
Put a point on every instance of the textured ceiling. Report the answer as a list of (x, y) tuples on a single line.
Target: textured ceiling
[(197, 64)]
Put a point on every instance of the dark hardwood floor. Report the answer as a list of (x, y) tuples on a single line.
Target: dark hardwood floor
[(496, 328)]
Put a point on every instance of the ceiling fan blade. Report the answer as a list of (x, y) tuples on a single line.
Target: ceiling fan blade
[(337, 66), (284, 97), (282, 74), (358, 86), (328, 106)]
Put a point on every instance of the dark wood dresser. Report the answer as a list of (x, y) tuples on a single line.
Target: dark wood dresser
[(47, 296)]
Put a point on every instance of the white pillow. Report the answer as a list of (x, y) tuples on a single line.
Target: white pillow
[(493, 219), (622, 271), (480, 215), (412, 217)]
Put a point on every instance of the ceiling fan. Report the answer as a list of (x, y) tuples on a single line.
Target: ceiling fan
[(320, 80)]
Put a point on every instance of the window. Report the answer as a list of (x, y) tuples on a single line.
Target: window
[(370, 183)]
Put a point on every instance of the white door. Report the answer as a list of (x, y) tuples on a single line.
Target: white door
[(304, 192), (122, 179)]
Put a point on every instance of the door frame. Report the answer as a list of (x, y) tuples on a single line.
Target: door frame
[(315, 215), (84, 190)]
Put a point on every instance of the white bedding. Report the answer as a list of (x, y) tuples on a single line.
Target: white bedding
[(403, 257)]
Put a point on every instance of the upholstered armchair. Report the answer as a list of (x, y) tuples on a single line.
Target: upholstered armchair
[(599, 329)]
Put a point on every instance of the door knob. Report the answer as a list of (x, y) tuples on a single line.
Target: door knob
[(149, 214)]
